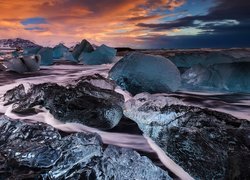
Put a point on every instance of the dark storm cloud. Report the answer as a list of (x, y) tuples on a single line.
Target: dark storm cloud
[(226, 25), (237, 10), (228, 40), (181, 23)]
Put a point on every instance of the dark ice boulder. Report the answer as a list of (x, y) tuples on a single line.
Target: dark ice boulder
[(46, 54), (23, 64), (15, 94), (138, 72), (84, 46), (29, 145), (102, 55), (234, 77), (98, 80), (123, 163), (82, 103), (79, 155), (41, 147), (38, 151), (205, 143)]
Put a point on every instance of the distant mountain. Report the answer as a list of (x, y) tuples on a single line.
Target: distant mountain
[(16, 43)]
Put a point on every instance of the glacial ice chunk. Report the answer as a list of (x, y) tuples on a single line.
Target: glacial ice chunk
[(208, 58), (138, 72), (206, 144), (31, 50), (102, 55), (46, 54), (234, 77), (62, 52), (81, 103), (68, 56), (123, 163), (23, 64), (58, 51), (84, 46), (38, 151)]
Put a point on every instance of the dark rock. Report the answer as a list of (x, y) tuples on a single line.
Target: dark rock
[(122, 163), (81, 152), (30, 145), (206, 143), (14, 94), (82, 103), (98, 80), (38, 151)]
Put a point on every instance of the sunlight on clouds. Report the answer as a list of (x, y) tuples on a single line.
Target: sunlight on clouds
[(70, 21), (185, 31)]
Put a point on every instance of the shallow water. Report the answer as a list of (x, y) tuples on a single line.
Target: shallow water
[(127, 133)]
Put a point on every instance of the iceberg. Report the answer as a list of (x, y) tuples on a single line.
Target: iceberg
[(59, 50), (102, 55), (46, 54), (84, 46), (138, 72), (208, 58), (23, 64), (68, 57), (31, 50), (207, 144), (232, 77)]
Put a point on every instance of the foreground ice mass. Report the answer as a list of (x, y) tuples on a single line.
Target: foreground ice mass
[(83, 102), (234, 77), (102, 55), (138, 72), (206, 144), (38, 151)]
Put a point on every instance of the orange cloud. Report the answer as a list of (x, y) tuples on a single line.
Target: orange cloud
[(108, 21)]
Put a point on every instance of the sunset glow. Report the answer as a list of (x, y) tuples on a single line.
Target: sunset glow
[(133, 23)]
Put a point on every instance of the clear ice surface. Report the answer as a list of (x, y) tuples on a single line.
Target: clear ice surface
[(102, 55), (137, 72)]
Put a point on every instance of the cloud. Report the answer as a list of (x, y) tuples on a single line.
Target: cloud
[(35, 29), (139, 23), (225, 11), (227, 40), (227, 24), (70, 21), (34, 20)]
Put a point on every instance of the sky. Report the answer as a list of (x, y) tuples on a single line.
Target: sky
[(129, 23)]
